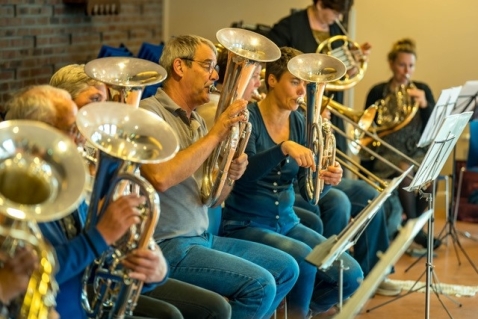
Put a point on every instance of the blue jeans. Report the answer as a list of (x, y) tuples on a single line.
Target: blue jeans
[(314, 289), (255, 278)]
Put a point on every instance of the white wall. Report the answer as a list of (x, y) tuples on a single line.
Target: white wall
[(445, 33)]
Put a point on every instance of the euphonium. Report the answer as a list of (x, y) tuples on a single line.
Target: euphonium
[(125, 137), (245, 50), (126, 77), (42, 178), (350, 53), (317, 70)]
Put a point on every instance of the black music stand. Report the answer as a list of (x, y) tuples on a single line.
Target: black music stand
[(467, 102), (383, 266), (434, 160), (328, 252), (444, 107)]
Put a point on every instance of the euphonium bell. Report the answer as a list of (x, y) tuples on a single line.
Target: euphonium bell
[(125, 77), (317, 69), (42, 178), (245, 50), (125, 137)]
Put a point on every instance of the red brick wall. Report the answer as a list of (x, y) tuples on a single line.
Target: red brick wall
[(37, 37)]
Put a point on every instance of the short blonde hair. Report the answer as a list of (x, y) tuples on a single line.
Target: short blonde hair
[(73, 79)]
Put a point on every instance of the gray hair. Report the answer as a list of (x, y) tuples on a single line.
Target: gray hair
[(73, 79), (35, 103), (183, 46)]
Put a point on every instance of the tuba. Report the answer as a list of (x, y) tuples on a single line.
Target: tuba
[(245, 50), (350, 53), (42, 178), (125, 138), (318, 70), (126, 77)]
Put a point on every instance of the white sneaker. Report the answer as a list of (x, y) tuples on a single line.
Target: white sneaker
[(387, 288)]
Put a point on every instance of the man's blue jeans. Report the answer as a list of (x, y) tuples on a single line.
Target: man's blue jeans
[(314, 289), (254, 277)]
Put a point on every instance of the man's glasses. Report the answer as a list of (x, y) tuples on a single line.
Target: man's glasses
[(207, 65)]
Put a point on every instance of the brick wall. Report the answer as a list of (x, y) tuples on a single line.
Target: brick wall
[(37, 37)]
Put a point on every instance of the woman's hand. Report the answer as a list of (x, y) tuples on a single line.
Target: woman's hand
[(333, 174)]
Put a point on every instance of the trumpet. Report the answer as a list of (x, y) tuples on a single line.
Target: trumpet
[(317, 70)]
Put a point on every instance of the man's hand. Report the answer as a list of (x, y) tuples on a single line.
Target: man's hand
[(228, 118), (119, 216), (147, 265), (15, 273)]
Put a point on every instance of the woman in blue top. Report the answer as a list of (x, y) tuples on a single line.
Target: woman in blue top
[(260, 206)]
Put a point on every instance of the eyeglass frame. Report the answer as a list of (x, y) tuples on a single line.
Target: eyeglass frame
[(210, 68)]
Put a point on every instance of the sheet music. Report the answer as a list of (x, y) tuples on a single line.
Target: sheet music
[(324, 254), (442, 109), (440, 149), (468, 98)]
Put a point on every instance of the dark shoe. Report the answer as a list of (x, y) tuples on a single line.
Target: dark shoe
[(422, 239)]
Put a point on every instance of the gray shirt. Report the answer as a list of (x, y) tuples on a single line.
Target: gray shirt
[(182, 211)]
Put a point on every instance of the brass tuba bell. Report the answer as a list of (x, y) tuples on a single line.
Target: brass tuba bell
[(245, 50), (318, 70), (42, 178), (126, 77)]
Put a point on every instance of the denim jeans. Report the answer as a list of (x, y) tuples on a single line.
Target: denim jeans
[(254, 277), (354, 195), (314, 289)]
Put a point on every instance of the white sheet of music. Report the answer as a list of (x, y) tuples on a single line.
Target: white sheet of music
[(440, 149), (468, 98), (442, 109)]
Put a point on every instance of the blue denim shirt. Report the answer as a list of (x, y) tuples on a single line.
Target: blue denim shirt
[(264, 196)]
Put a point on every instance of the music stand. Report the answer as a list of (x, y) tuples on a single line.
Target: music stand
[(442, 109), (468, 99), (328, 252), (429, 170), (383, 266)]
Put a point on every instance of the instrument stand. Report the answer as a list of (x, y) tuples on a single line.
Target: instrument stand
[(450, 230), (382, 267), (431, 276), (329, 252), (432, 164)]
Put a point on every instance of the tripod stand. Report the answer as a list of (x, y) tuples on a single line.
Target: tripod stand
[(329, 252), (432, 164)]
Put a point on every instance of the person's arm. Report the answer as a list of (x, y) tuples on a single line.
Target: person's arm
[(187, 161), (75, 255), (280, 33)]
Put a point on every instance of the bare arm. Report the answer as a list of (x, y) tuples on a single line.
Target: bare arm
[(165, 175)]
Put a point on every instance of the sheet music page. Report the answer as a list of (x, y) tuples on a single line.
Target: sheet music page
[(442, 109), (468, 98), (440, 149)]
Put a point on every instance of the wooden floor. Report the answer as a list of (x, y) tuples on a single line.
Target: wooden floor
[(447, 269)]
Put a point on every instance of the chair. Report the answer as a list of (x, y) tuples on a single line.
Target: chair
[(468, 180)]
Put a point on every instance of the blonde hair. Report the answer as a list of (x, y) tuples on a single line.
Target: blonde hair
[(73, 79), (405, 45)]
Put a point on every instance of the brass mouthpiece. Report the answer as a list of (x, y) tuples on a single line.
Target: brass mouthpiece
[(213, 89)]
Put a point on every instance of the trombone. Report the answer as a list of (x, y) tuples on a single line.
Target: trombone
[(361, 121)]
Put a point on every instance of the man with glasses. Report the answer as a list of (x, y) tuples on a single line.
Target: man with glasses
[(253, 277)]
